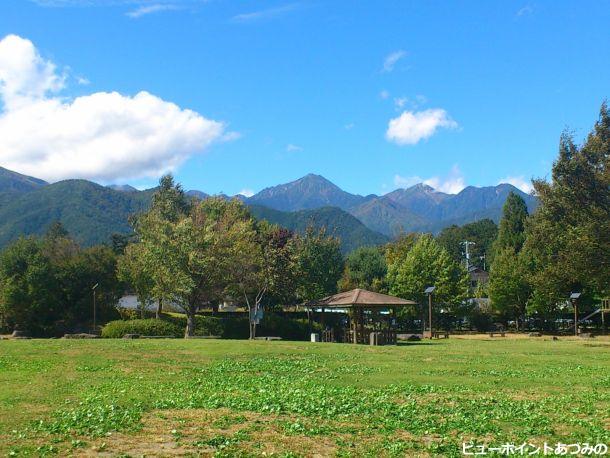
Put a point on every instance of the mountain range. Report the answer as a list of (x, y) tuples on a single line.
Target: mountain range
[(92, 212)]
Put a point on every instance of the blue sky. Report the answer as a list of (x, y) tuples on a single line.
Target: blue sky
[(372, 95)]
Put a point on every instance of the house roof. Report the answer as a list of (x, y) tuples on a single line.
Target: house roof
[(360, 298)]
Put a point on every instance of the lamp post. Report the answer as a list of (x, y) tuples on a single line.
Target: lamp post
[(94, 308), (429, 291), (574, 299)]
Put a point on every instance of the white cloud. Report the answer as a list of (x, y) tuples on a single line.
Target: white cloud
[(292, 148), (518, 182), (452, 183), (246, 192), (82, 81), (413, 126), (103, 136), (525, 11), (260, 15), (392, 59), (149, 9), (384, 94), (349, 126), (400, 102)]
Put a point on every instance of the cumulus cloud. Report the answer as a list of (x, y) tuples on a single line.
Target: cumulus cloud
[(392, 59), (102, 136), (413, 126), (519, 182), (452, 183)]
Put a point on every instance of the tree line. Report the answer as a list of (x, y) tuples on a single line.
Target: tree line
[(196, 253)]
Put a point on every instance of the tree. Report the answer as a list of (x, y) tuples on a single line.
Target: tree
[(170, 200), (131, 269), (511, 231), (568, 237), (509, 289), (428, 264), (319, 264), (76, 275), (281, 263), (365, 268), (483, 233), (396, 250), (154, 229), (28, 291)]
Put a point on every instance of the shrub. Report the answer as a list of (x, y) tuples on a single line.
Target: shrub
[(147, 327)]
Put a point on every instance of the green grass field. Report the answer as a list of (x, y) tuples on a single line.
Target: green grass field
[(239, 398)]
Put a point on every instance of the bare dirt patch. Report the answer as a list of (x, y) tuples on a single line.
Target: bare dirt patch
[(199, 432)]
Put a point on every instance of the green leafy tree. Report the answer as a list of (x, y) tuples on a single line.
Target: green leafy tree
[(509, 288), (131, 269), (75, 277), (319, 264), (511, 231), (154, 229), (483, 233), (365, 268), (428, 264), (397, 249), (28, 290), (279, 248), (568, 238)]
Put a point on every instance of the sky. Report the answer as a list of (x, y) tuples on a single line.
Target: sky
[(234, 96)]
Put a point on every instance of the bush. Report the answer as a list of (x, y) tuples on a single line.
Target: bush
[(148, 327), (225, 327)]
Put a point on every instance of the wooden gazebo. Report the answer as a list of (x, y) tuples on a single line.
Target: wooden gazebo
[(370, 315)]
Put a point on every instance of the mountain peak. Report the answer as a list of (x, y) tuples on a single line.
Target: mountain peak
[(308, 192), (15, 182)]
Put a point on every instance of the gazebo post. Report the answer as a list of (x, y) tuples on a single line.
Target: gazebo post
[(354, 324)]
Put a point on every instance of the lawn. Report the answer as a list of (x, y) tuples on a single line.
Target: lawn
[(240, 398)]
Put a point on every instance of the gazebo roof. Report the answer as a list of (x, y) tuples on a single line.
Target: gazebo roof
[(360, 298)]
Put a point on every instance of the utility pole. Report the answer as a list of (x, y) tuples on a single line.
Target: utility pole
[(94, 309), (483, 258), (467, 245)]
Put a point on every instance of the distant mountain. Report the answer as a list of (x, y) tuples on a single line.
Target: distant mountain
[(15, 182), (348, 229), (197, 194), (122, 187), (90, 212), (311, 191), (418, 208), (387, 217), (421, 199)]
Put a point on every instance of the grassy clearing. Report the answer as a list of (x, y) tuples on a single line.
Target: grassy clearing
[(239, 398)]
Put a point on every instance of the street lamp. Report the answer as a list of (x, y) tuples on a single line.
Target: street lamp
[(574, 299), (94, 308), (429, 290)]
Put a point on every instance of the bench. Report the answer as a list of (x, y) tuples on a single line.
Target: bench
[(438, 334), (500, 333)]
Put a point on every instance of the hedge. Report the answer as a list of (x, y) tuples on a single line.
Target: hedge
[(229, 327), (147, 327)]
